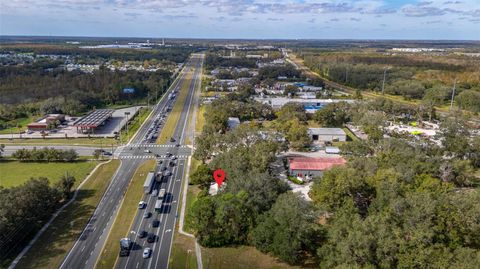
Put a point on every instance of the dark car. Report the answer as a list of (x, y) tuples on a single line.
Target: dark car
[(151, 238), (172, 139), (142, 234), (155, 223)]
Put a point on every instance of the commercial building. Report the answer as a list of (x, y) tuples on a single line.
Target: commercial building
[(327, 134), (308, 168), (92, 121), (311, 105), (47, 122)]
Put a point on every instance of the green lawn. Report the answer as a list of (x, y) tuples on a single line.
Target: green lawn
[(19, 125), (51, 248), (125, 217), (200, 119), (15, 173), (174, 116), (243, 257), (183, 253)]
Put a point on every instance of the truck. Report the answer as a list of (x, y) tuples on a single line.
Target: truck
[(158, 206), (161, 194), (147, 186), (125, 246)]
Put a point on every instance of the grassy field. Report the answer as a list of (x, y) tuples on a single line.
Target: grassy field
[(125, 217), (242, 257), (183, 253), (174, 116), (15, 173), (19, 125), (51, 248), (200, 119)]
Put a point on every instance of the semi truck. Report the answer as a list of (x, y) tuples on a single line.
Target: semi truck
[(148, 185)]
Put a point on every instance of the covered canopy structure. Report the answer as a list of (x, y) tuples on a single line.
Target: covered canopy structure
[(96, 118)]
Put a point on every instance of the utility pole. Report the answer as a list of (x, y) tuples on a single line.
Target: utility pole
[(383, 83), (453, 94)]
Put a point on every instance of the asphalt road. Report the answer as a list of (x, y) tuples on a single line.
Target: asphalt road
[(88, 246), (168, 215)]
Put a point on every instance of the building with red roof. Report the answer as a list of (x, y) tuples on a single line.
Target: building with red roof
[(312, 167)]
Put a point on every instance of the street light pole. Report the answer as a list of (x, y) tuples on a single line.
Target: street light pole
[(453, 93), (383, 83)]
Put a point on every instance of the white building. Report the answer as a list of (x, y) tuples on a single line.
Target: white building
[(327, 134)]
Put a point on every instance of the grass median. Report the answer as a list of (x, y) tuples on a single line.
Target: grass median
[(183, 253), (53, 245), (125, 217), (174, 116)]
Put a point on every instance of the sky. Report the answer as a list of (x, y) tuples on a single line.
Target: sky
[(247, 19)]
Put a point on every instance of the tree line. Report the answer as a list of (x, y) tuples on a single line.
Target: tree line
[(45, 154), (25, 208)]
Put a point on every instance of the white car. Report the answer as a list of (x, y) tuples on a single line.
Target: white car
[(146, 253), (142, 205)]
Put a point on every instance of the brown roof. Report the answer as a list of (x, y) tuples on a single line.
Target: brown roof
[(320, 164)]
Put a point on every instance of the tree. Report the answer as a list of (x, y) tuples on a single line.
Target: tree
[(65, 185), (469, 100), (288, 229), (202, 176), (96, 154), (333, 115)]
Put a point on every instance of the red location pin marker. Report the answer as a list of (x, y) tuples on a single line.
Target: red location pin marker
[(219, 176)]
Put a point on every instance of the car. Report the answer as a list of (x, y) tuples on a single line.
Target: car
[(172, 163), (169, 154), (151, 238), (155, 192), (164, 168), (146, 253), (172, 139), (107, 153), (155, 223), (177, 145), (159, 161), (147, 151), (142, 234), (147, 215), (142, 205), (173, 158), (167, 173)]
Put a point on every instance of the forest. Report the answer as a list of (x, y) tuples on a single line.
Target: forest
[(398, 203), (44, 86), (429, 79), (22, 214)]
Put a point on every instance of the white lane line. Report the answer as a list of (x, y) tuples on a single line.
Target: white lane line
[(82, 249)]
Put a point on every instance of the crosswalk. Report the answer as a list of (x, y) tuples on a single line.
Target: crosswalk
[(149, 157), (156, 146)]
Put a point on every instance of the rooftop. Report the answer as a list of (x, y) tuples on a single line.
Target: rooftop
[(321, 164), (95, 118), (326, 131)]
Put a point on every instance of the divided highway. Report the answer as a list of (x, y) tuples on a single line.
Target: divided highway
[(88, 246), (167, 216)]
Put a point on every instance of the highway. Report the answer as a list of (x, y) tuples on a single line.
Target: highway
[(88, 246), (168, 214)]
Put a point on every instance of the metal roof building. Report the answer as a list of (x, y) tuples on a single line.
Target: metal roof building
[(93, 120), (327, 134)]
